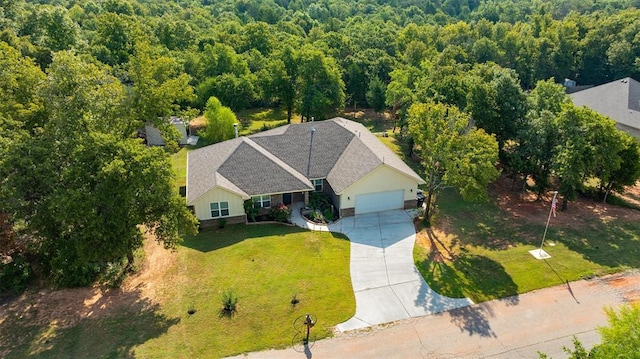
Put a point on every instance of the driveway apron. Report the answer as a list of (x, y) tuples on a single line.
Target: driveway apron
[(386, 283)]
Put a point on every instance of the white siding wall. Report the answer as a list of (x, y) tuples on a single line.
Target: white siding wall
[(202, 205), (382, 179)]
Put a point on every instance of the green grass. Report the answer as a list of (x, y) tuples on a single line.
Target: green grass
[(265, 265), (493, 259), (492, 248), (179, 164), (256, 120)]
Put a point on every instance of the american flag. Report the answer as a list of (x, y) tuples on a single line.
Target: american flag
[(554, 204)]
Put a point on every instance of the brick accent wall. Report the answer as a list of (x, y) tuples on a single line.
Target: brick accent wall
[(230, 220), (347, 212), (412, 203)]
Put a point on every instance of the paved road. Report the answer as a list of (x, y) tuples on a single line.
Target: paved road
[(516, 327)]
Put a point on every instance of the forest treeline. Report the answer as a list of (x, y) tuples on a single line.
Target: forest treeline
[(239, 52), (78, 79)]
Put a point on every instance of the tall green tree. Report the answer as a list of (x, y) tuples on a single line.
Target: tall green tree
[(533, 151), (284, 83), (590, 146), (321, 86), (375, 94), (453, 152), (220, 120), (497, 102), (82, 188), (159, 88)]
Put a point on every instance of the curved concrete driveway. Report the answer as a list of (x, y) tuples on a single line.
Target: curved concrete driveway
[(386, 283)]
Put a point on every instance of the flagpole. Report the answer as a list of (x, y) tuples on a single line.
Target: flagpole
[(553, 201)]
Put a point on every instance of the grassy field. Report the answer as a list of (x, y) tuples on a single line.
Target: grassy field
[(179, 164), (265, 265), (257, 120), (483, 251)]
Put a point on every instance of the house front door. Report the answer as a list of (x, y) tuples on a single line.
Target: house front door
[(286, 198)]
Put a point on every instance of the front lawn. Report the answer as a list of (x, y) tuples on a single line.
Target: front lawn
[(482, 249), (266, 266)]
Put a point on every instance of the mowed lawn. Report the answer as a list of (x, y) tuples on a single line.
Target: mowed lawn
[(266, 266), (490, 250)]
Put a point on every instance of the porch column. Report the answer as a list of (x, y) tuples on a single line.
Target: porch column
[(306, 199)]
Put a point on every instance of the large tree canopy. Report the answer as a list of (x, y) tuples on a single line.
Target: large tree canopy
[(453, 152)]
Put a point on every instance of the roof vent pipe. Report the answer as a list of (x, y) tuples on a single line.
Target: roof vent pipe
[(235, 129)]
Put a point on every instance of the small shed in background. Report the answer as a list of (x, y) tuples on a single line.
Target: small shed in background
[(154, 137)]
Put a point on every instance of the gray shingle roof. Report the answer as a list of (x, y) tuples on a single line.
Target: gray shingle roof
[(619, 100), (293, 145), (277, 161)]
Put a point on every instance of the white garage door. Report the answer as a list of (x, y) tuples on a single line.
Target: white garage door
[(380, 201)]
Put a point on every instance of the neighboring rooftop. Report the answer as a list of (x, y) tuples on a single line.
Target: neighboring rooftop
[(619, 100)]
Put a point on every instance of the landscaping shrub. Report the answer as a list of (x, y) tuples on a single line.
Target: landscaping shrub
[(281, 213), (113, 275), (229, 301), (251, 210), (222, 222)]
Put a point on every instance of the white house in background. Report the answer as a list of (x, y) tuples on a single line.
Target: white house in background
[(619, 100), (338, 157), (154, 137)]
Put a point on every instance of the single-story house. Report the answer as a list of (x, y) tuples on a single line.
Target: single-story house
[(338, 157), (619, 100)]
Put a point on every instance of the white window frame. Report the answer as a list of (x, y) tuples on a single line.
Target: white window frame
[(221, 208), (318, 182), (262, 201)]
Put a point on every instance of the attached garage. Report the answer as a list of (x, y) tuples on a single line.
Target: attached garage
[(379, 201)]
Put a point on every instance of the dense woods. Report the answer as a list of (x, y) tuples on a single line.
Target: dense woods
[(78, 78)]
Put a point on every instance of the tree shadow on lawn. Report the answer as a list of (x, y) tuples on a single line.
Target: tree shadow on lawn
[(612, 243), (473, 276), (79, 323), (214, 238)]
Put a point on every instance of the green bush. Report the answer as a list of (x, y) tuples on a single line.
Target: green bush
[(251, 210), (113, 274), (222, 222), (14, 276), (281, 213), (328, 215)]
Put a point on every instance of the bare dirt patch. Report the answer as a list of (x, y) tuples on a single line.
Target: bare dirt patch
[(66, 307), (526, 206)]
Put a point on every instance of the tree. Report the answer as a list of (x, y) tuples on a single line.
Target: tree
[(628, 173), (81, 187), (534, 149), (589, 146), (321, 86), (453, 152), (496, 102), (159, 87), (115, 38), (86, 202), (220, 120), (284, 80), (375, 94)]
